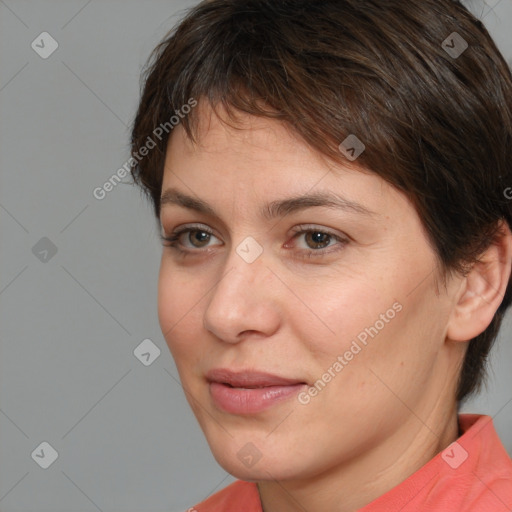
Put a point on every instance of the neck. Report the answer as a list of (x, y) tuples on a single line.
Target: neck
[(356, 483)]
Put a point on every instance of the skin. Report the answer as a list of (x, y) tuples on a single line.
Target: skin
[(392, 407)]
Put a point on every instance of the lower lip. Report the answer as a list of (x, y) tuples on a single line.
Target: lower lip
[(250, 401)]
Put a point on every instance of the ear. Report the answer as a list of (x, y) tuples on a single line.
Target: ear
[(482, 290)]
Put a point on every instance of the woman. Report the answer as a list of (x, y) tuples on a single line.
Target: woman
[(330, 179)]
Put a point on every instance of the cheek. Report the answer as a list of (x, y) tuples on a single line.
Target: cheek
[(372, 324), (168, 303), (345, 311), (178, 308)]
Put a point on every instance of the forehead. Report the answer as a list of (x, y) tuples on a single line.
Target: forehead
[(258, 145), (244, 134), (262, 157)]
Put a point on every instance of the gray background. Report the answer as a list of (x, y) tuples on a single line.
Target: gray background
[(125, 437)]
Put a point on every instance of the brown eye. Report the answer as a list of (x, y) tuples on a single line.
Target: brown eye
[(317, 239), (312, 242), (187, 239), (198, 238)]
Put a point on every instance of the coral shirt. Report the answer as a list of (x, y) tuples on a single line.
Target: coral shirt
[(473, 474)]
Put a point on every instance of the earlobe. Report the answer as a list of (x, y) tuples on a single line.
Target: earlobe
[(482, 289)]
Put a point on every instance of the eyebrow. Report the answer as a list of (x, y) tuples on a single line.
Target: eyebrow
[(274, 209)]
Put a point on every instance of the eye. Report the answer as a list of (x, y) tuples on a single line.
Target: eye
[(317, 241), (190, 237)]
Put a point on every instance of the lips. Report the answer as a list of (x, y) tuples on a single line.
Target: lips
[(249, 392), (249, 379)]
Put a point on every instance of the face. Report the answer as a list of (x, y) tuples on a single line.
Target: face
[(299, 329)]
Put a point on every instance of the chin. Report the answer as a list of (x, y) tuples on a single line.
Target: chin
[(276, 467)]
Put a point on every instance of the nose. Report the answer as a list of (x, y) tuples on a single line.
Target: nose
[(244, 301)]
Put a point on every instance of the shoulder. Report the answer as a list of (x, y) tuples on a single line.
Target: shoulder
[(230, 498), (491, 472), (475, 472)]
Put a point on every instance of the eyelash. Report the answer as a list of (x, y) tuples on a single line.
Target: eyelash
[(172, 241)]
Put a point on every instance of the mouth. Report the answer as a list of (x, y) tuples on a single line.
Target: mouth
[(249, 379), (249, 392)]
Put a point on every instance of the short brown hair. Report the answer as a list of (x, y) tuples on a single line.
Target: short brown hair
[(436, 126)]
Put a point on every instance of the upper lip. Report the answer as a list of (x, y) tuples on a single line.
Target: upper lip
[(249, 378)]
